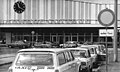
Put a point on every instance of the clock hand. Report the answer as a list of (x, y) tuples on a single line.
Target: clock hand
[(20, 7)]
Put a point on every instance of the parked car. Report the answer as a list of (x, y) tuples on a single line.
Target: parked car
[(83, 55), (100, 52), (20, 44), (93, 52), (44, 60), (70, 44), (46, 44)]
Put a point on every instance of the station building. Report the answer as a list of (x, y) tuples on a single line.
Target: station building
[(53, 20)]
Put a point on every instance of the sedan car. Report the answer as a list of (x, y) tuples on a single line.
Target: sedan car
[(20, 44), (46, 44), (44, 60), (100, 51), (83, 55), (70, 44), (93, 52)]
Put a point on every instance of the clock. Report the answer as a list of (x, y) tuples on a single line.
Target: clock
[(19, 7)]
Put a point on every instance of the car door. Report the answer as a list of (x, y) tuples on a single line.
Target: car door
[(63, 66), (69, 61), (90, 58), (92, 54), (73, 63)]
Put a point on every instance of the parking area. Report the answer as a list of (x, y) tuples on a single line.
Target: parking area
[(7, 57)]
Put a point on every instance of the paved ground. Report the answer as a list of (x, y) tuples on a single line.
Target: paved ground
[(6, 58), (112, 66), (7, 55)]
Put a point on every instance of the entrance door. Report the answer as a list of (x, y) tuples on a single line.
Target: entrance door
[(59, 39), (67, 38), (54, 38)]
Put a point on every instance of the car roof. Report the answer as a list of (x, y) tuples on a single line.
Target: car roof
[(54, 50), (88, 46), (78, 48)]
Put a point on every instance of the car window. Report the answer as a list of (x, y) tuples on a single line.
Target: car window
[(67, 56), (61, 59), (35, 59), (71, 56), (79, 53), (99, 48), (91, 51), (95, 49), (89, 54)]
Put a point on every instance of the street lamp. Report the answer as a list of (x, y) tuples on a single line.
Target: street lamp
[(33, 32)]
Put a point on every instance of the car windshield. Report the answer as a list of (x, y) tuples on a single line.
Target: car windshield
[(79, 53), (35, 59)]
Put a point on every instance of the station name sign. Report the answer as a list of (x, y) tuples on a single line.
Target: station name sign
[(104, 32)]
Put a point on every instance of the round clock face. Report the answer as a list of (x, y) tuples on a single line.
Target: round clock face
[(19, 7)]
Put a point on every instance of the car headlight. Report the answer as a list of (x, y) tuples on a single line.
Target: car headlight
[(83, 63)]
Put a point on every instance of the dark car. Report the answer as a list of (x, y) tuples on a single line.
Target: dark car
[(70, 44), (43, 44), (46, 44), (20, 44)]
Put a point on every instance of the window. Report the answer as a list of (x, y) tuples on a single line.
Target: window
[(71, 56), (61, 59), (91, 51), (89, 54), (35, 59), (67, 57), (79, 53)]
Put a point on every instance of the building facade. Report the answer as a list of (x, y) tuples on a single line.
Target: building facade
[(52, 20)]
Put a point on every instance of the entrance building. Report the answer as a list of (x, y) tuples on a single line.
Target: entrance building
[(52, 20)]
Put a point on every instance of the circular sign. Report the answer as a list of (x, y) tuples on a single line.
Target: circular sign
[(106, 17)]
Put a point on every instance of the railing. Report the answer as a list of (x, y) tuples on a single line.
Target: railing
[(50, 21)]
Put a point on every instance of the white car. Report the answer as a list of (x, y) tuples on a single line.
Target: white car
[(93, 52), (83, 55), (44, 60), (100, 51)]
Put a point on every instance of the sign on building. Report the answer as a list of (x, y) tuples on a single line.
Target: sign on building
[(106, 32)]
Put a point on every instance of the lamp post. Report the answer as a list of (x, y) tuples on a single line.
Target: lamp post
[(115, 32), (33, 32)]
